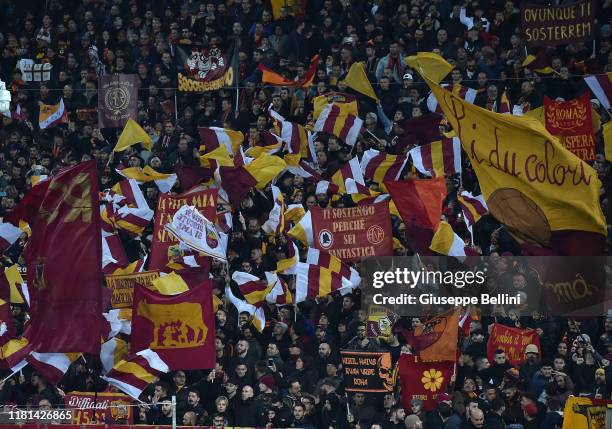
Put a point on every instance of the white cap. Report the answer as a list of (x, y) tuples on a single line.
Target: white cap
[(407, 76)]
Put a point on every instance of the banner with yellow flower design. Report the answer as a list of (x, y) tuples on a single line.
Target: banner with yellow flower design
[(423, 380)]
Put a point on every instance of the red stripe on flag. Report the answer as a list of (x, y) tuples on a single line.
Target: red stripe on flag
[(373, 165), (448, 158), (346, 128), (313, 281), (394, 170), (251, 287), (328, 126), (606, 85), (426, 157)]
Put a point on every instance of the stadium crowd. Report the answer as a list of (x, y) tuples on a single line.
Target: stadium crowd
[(290, 374)]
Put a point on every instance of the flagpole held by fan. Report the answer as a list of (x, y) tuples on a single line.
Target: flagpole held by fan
[(173, 411)]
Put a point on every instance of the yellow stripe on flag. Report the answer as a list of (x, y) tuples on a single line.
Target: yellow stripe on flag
[(13, 276), (607, 135), (437, 158), (325, 282), (170, 284), (135, 370)]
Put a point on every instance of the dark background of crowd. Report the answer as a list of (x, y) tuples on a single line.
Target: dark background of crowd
[(289, 375)]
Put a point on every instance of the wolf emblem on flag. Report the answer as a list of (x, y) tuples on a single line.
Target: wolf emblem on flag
[(211, 236)]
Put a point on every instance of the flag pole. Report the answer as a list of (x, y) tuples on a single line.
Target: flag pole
[(175, 89), (173, 411), (235, 63)]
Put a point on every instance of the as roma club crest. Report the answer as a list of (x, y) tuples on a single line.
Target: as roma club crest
[(202, 66), (117, 99), (211, 237)]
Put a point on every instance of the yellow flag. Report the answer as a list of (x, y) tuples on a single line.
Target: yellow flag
[(220, 154), (132, 134), (581, 413), (14, 279), (265, 168), (607, 135), (530, 181), (170, 284), (216, 302), (430, 64), (357, 79)]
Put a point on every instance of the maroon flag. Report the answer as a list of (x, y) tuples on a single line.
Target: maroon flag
[(423, 380), (191, 175), (117, 100), (179, 328), (237, 182), (64, 257)]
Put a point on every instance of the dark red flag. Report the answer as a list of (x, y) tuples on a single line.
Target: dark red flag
[(191, 175), (64, 257), (237, 182), (423, 380), (179, 328), (419, 201)]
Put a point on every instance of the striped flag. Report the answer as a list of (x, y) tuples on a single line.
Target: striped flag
[(52, 115), (225, 221), (441, 158), (126, 208), (213, 137), (334, 264), (302, 231), (601, 86), (252, 288), (258, 317), (446, 242), (113, 253), (135, 373), (296, 137), (313, 281), (293, 213), (505, 105), (119, 321), (288, 264), (275, 224), (270, 76), (9, 234), (473, 207), (280, 293), (52, 366), (164, 182), (13, 354), (345, 126), (268, 143), (216, 157), (380, 166), (350, 170), (464, 92), (112, 352), (346, 102)]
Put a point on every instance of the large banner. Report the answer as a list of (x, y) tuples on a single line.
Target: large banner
[(423, 380), (109, 408), (367, 371), (117, 99), (205, 69), (122, 286), (354, 233), (512, 341), (572, 122), (585, 413), (558, 25), (179, 328), (165, 246)]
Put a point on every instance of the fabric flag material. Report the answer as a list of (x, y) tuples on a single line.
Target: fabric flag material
[(313, 281), (270, 76), (420, 130), (585, 413), (52, 366), (164, 182), (133, 134), (380, 166), (112, 352), (333, 121), (127, 208), (190, 175), (539, 63), (117, 99), (303, 230), (265, 168), (601, 86), (258, 317), (512, 341), (419, 202), (236, 182), (436, 338), (423, 380), (296, 138), (170, 284), (446, 242), (192, 228), (466, 93), (430, 64), (13, 354), (275, 224), (7, 329), (201, 69), (268, 143), (180, 328), (63, 258), (526, 175), (347, 103), (214, 137), (280, 293), (380, 322), (135, 373), (357, 79), (252, 288), (52, 115), (9, 234), (217, 157), (473, 207), (288, 264), (12, 286), (334, 264), (607, 135), (441, 158)]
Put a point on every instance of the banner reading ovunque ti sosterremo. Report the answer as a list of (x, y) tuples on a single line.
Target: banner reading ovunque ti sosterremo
[(558, 25)]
